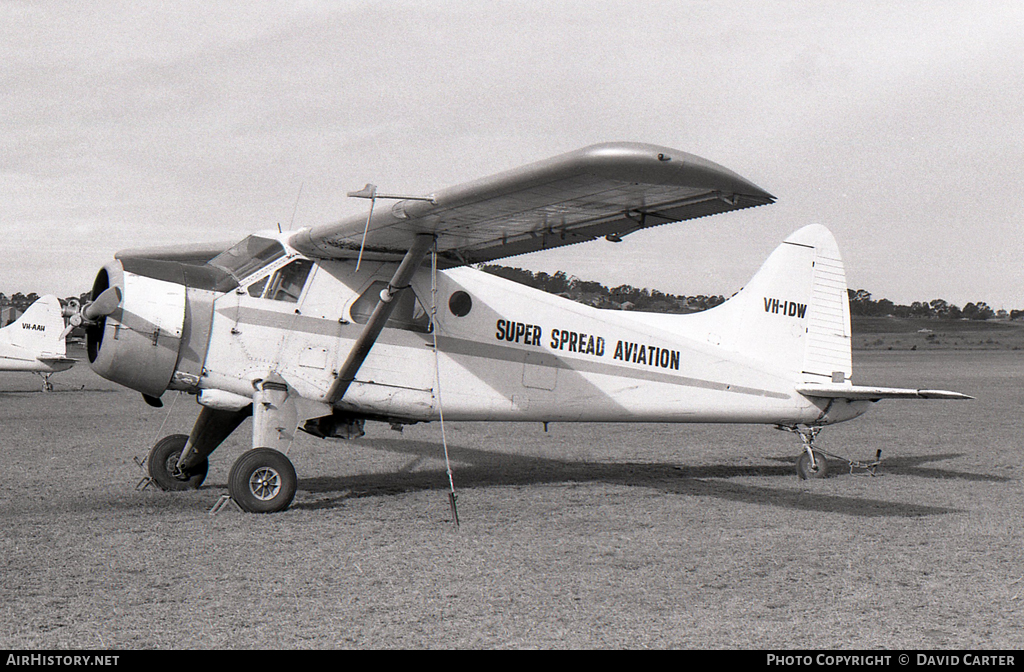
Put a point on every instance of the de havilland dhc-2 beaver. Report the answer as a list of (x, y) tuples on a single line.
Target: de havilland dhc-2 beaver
[(35, 341), (384, 318)]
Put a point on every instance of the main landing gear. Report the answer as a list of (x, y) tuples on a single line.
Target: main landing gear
[(262, 480)]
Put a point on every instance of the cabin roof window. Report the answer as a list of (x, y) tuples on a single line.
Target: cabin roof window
[(248, 256)]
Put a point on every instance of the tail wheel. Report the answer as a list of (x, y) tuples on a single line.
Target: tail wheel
[(805, 470), (262, 480), (163, 462)]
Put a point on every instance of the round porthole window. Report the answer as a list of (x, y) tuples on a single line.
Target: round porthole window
[(460, 304)]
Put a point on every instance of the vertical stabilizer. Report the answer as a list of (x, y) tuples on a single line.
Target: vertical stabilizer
[(39, 329), (794, 314)]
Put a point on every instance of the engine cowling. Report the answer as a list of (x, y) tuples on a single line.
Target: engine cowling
[(137, 343)]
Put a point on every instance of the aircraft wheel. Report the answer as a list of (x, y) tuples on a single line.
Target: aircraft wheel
[(163, 458), (262, 480), (804, 469)]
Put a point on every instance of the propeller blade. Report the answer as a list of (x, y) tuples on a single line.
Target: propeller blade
[(104, 305)]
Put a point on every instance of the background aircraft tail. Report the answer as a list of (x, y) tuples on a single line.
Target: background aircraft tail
[(39, 328), (794, 314)]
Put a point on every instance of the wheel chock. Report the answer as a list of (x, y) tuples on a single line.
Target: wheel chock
[(223, 503)]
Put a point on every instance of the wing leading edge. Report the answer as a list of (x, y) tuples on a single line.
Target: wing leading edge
[(607, 190)]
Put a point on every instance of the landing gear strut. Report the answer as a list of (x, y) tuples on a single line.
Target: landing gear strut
[(812, 462), (47, 385)]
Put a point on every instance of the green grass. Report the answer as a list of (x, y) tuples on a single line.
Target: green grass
[(585, 536)]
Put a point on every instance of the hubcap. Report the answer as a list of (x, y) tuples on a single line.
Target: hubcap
[(171, 467), (265, 483)]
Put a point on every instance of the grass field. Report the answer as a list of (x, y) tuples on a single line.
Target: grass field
[(585, 536), (888, 333)]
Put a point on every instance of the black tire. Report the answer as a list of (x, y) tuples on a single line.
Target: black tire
[(804, 469), (262, 480), (163, 458)]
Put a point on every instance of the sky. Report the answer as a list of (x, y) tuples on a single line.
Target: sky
[(899, 125)]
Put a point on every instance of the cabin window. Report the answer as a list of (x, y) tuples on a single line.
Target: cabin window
[(408, 312)]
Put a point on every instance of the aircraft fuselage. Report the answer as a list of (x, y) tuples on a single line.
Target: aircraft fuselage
[(504, 351)]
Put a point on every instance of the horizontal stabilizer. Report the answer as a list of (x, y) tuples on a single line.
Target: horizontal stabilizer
[(56, 359), (839, 391)]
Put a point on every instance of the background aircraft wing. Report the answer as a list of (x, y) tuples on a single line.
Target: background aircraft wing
[(607, 190), (839, 391)]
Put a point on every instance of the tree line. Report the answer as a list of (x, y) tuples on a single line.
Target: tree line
[(623, 297), (627, 297), (21, 301), (861, 303)]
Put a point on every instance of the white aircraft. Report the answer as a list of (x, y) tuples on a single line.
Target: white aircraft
[(35, 341), (383, 318)]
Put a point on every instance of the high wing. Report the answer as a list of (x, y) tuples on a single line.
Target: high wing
[(186, 253), (840, 391), (605, 190)]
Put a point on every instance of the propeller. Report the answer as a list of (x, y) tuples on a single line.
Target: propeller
[(106, 303)]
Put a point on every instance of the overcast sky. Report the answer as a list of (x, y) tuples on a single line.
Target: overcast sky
[(899, 125)]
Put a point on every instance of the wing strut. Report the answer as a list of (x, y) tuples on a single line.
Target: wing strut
[(399, 282)]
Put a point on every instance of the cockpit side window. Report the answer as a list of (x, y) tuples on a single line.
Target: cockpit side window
[(248, 256), (285, 284), (256, 288), (408, 312)]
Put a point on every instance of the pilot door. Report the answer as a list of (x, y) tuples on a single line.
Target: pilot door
[(260, 328)]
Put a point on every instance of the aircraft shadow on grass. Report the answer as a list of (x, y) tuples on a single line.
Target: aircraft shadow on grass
[(911, 466), (487, 468)]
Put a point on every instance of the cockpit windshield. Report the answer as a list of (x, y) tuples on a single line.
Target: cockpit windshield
[(248, 256)]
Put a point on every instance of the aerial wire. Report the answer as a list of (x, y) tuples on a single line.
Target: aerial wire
[(291, 225), (141, 463), (452, 497)]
